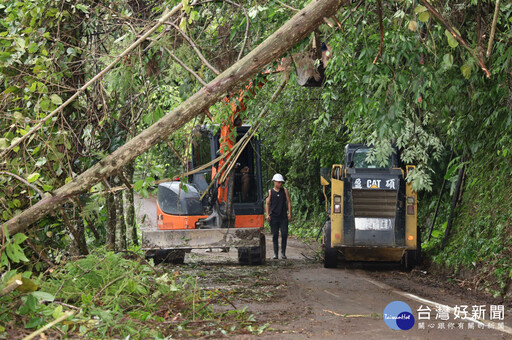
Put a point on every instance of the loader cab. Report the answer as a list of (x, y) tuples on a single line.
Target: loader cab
[(356, 156)]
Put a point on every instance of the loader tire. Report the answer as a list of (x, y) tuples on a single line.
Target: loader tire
[(253, 256), (419, 257), (412, 258), (408, 260), (330, 254)]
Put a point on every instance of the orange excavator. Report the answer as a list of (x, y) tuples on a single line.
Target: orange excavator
[(207, 212), (231, 212)]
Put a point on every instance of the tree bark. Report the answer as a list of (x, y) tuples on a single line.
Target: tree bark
[(296, 29), (110, 241), (79, 239), (121, 224), (130, 203)]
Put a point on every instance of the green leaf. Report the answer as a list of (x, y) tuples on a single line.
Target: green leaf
[(33, 47), (15, 253), (436, 233), (466, 70), (413, 25), (183, 24), (19, 238), (423, 17), (40, 162), (448, 60), (56, 99), (420, 9), (83, 8), (4, 260), (31, 303), (33, 87), (186, 7), (45, 104), (3, 143), (86, 299), (34, 323), (451, 39), (106, 315), (43, 296), (33, 177), (57, 312), (138, 185), (193, 16)]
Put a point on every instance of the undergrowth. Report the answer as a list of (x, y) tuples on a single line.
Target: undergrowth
[(479, 249), (117, 295)]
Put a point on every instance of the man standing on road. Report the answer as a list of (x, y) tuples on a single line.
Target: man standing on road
[(279, 212)]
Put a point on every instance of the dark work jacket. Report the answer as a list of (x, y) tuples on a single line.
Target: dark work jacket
[(278, 205)]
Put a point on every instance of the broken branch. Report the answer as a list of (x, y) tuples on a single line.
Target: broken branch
[(493, 28), (381, 25), (457, 37), (198, 52), (164, 18), (24, 181)]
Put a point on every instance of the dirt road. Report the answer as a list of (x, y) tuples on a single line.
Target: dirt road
[(299, 299)]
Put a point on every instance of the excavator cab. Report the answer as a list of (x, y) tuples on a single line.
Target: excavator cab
[(248, 187)]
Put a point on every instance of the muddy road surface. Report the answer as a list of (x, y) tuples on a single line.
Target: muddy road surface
[(299, 299)]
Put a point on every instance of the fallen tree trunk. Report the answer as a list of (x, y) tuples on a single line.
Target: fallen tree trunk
[(296, 29)]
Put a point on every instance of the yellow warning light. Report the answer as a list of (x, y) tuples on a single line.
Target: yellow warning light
[(410, 237)]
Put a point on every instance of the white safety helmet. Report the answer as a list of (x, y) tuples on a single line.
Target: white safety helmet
[(278, 178)]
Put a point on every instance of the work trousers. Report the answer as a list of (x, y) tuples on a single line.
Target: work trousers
[(277, 224)]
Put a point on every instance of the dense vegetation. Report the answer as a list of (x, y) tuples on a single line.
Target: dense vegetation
[(396, 74)]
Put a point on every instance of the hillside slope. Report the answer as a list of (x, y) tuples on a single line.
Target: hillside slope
[(479, 250)]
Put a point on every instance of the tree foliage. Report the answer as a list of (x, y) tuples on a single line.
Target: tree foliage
[(396, 74)]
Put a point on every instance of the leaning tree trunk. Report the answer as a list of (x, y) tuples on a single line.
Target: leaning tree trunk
[(296, 29)]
